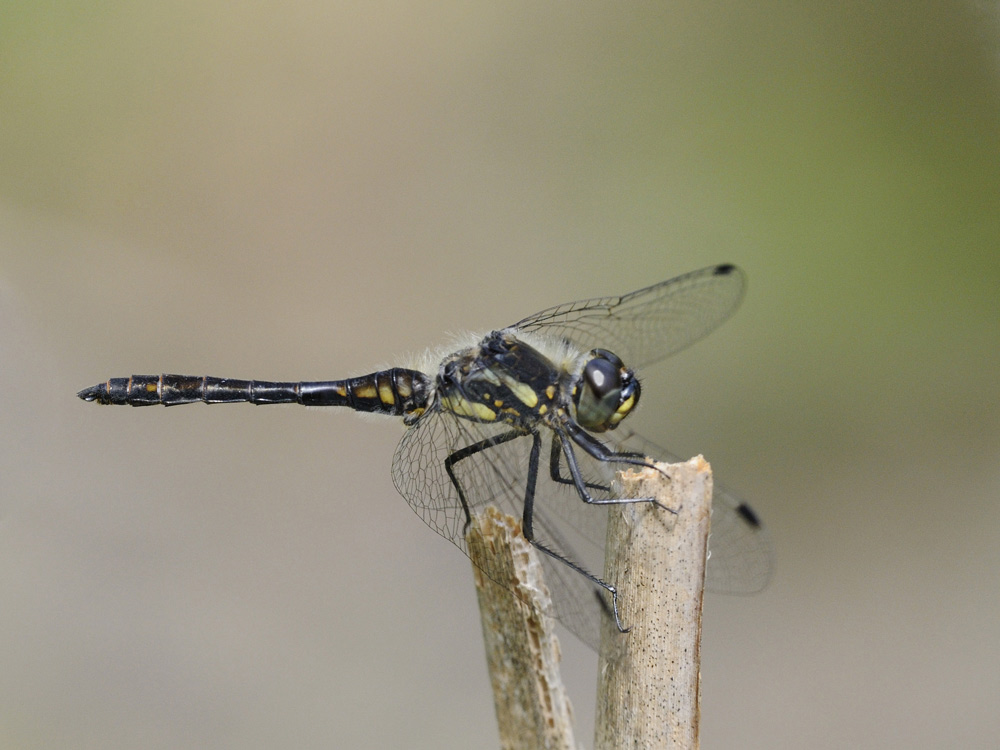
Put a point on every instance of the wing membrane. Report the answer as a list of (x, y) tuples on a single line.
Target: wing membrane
[(497, 476), (641, 327), (741, 558), (650, 324)]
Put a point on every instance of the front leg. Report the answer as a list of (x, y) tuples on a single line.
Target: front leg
[(554, 459), (601, 452)]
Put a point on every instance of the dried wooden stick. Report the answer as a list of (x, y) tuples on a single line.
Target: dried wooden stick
[(649, 688), (533, 710)]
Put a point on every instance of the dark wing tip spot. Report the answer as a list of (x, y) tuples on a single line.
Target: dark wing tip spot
[(724, 269), (749, 515)]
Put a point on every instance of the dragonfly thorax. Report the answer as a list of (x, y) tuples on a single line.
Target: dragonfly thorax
[(505, 379), (502, 379)]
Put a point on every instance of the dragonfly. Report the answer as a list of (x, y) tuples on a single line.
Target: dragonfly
[(528, 419)]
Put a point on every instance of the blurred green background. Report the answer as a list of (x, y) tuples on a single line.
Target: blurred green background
[(305, 190)]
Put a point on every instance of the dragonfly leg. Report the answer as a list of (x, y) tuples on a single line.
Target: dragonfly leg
[(527, 526), (471, 450), (557, 476), (602, 453)]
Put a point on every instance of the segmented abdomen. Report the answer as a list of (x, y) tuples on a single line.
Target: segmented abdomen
[(396, 391)]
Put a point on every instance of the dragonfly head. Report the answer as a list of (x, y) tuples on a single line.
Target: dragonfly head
[(605, 393)]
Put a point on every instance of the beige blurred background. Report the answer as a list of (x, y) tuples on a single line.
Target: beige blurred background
[(308, 190)]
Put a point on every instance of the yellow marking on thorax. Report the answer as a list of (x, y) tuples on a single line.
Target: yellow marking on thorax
[(491, 377), (524, 392), (465, 408)]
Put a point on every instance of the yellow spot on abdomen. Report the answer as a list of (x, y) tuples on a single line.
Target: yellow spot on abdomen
[(365, 391), (385, 395)]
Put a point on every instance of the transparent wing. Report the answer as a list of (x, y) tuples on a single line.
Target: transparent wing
[(649, 324), (498, 476), (641, 327), (741, 558)]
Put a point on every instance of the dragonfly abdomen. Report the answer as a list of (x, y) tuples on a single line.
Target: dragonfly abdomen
[(395, 392)]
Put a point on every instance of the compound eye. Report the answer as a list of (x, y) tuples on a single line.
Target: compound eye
[(602, 377), (606, 393)]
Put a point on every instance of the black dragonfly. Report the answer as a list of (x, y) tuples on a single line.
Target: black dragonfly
[(485, 417)]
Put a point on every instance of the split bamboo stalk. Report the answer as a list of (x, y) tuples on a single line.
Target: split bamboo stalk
[(649, 679), (522, 652), (649, 687)]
